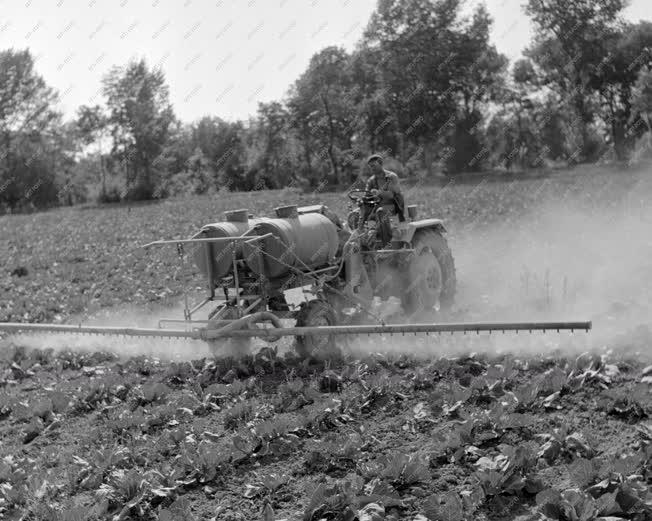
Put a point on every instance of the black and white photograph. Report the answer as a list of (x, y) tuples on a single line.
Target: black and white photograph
[(326, 260)]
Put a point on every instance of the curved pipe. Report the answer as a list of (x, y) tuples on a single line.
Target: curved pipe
[(242, 323)]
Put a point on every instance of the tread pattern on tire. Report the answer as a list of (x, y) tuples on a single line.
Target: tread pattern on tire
[(305, 317), (436, 242)]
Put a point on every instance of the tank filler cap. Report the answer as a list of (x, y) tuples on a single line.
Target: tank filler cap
[(287, 212), (237, 216)]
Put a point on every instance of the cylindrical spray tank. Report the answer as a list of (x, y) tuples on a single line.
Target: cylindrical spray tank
[(301, 241), (220, 255)]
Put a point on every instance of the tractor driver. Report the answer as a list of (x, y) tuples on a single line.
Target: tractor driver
[(386, 185)]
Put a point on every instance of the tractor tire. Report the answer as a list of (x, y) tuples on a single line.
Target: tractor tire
[(313, 313), (431, 276)]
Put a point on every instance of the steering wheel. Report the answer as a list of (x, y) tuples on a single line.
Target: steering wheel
[(364, 197)]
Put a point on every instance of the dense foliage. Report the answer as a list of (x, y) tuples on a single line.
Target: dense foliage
[(424, 86), (89, 436)]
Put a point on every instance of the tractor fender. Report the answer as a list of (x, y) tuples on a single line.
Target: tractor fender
[(406, 233)]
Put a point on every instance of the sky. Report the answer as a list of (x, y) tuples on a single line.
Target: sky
[(220, 57)]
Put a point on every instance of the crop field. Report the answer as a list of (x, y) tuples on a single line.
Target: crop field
[(475, 427)]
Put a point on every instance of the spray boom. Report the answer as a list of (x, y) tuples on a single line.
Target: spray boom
[(244, 324)]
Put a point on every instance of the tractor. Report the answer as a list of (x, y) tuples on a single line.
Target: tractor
[(339, 263)]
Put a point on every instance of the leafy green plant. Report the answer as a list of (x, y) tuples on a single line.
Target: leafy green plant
[(165, 480), (583, 472), (6, 406), (382, 382), (561, 443), (330, 414), (96, 394), (293, 395), (241, 412), (141, 365), (334, 453), (126, 491), (265, 484), (76, 360), (449, 444), (150, 393), (338, 500), (203, 464), (237, 389), (424, 378), (619, 496), (179, 372), (525, 396), (444, 507), (623, 490), (20, 482), (400, 470), (509, 472), (630, 406), (276, 427), (91, 472), (179, 509), (553, 381), (127, 421), (449, 400), (275, 436)]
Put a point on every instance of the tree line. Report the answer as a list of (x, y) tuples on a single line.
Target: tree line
[(424, 86)]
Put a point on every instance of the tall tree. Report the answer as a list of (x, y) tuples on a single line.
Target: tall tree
[(221, 143), (614, 79), (642, 101), (322, 98), (92, 125), (437, 67), (269, 155), (478, 78), (28, 122), (374, 125), (302, 122), (568, 46), (643, 94), (415, 39), (140, 116)]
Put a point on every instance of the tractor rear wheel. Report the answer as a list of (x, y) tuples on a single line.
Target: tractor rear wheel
[(315, 313), (431, 280)]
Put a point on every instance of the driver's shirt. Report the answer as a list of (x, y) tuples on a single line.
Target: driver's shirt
[(389, 183)]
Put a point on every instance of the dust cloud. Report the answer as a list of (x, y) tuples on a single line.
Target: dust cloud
[(160, 348), (572, 256), (570, 259)]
